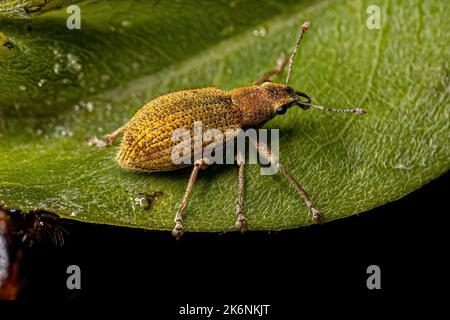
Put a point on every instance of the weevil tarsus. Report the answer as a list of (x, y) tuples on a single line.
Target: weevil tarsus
[(178, 230)]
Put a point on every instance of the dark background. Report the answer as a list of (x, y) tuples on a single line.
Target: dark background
[(286, 269)]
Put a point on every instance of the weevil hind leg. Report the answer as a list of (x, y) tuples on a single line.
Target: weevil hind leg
[(316, 215), (264, 150), (241, 222), (107, 139), (281, 64), (178, 230)]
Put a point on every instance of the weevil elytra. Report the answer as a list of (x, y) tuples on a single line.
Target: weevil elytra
[(146, 145)]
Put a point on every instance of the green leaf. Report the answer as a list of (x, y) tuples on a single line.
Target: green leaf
[(59, 86)]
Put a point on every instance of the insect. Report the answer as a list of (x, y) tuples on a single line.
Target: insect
[(19, 231), (8, 270), (146, 145)]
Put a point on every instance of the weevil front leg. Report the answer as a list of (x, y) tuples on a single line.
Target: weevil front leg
[(107, 139), (178, 230), (281, 63), (241, 222), (265, 151)]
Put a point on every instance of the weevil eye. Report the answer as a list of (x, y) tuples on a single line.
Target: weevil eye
[(281, 110)]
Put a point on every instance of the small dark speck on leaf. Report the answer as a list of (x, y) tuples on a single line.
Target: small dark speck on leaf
[(150, 198)]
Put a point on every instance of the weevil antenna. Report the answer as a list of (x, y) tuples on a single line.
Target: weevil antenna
[(308, 105), (305, 28)]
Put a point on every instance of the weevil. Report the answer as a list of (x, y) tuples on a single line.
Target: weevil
[(146, 145)]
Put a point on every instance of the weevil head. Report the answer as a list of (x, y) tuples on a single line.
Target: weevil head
[(262, 102), (282, 97)]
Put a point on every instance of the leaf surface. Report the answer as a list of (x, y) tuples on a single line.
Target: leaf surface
[(60, 86)]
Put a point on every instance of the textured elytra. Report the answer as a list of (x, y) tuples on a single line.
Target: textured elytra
[(147, 143)]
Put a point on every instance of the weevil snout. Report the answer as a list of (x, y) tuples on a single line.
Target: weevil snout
[(282, 97)]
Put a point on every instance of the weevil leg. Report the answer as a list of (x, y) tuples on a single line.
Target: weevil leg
[(265, 151), (178, 230), (107, 139), (281, 63), (241, 222)]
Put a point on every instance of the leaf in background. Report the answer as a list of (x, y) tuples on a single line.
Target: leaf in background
[(59, 86)]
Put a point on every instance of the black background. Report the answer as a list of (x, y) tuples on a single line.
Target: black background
[(287, 269)]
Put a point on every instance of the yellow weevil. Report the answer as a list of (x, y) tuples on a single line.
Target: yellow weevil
[(146, 145)]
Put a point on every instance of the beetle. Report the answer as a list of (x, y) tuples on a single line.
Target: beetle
[(146, 145)]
